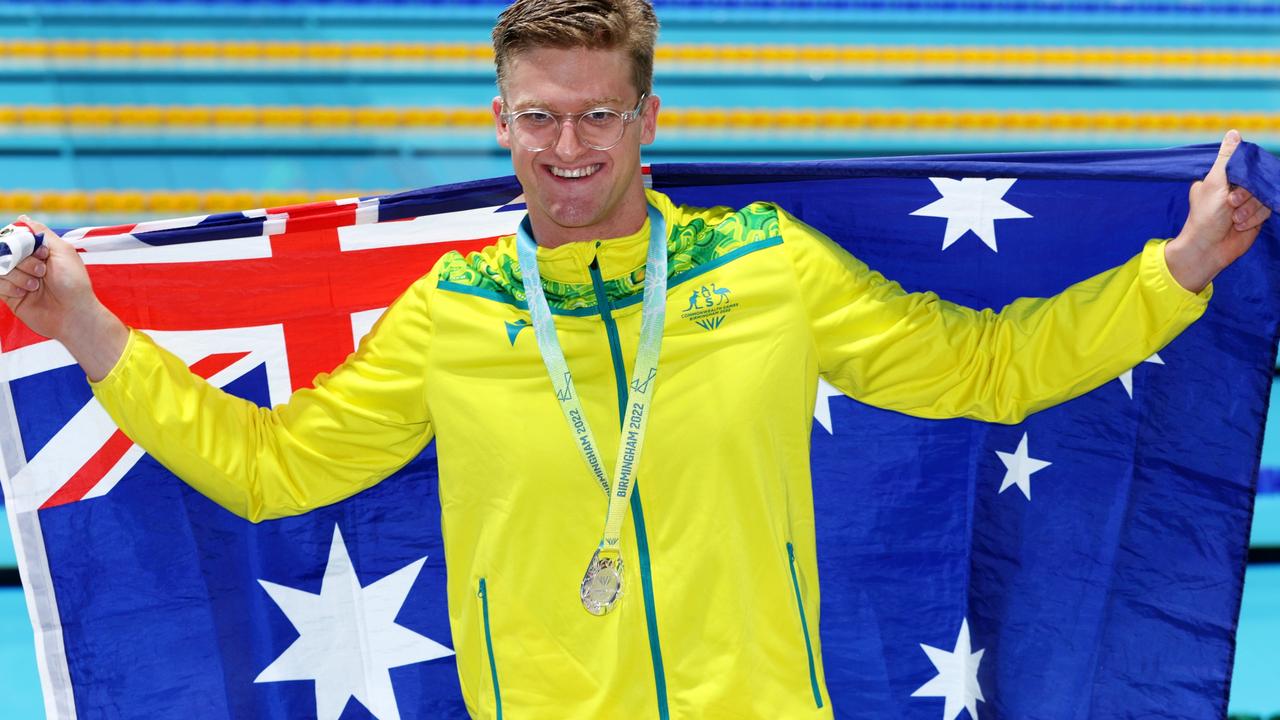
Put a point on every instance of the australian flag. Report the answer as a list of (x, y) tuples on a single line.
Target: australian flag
[(1086, 563)]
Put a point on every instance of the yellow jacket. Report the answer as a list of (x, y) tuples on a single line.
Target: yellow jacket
[(721, 617)]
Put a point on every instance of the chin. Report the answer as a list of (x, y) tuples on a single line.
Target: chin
[(573, 217)]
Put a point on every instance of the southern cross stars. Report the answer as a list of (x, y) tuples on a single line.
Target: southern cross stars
[(971, 204), (1019, 465), (822, 405), (348, 638), (957, 678), (1126, 377)]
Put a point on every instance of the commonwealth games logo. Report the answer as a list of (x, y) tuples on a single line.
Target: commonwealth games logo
[(708, 306)]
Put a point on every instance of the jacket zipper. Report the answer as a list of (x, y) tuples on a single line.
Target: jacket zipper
[(637, 511), (804, 626), (488, 642)]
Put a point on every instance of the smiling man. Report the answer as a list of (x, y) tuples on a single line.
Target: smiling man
[(699, 597)]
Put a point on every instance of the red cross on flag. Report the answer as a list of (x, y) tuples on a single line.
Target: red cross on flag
[(297, 288)]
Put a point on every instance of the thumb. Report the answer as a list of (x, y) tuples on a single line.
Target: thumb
[(33, 225), (1219, 170)]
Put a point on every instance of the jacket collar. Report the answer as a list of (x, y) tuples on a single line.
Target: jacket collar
[(571, 262)]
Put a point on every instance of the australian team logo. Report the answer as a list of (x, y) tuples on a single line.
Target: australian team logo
[(708, 306)]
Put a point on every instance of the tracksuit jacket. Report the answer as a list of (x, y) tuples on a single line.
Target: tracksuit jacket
[(720, 614)]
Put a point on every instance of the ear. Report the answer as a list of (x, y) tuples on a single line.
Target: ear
[(500, 127), (649, 121)]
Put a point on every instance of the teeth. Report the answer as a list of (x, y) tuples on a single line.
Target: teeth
[(578, 173)]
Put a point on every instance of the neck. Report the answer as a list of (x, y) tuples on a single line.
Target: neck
[(628, 219)]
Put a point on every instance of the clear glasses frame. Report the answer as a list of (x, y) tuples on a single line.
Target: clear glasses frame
[(599, 118)]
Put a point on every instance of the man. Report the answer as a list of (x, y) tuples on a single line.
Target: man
[(701, 599)]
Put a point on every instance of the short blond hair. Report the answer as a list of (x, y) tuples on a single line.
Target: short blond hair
[(628, 25)]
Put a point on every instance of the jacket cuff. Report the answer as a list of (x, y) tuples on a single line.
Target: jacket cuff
[(114, 377), (1155, 274)]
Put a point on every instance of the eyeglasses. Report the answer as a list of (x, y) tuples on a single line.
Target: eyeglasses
[(598, 128)]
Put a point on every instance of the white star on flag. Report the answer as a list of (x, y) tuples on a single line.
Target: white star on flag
[(957, 678), (971, 204), (1019, 466), (348, 639), (822, 406), (1126, 377)]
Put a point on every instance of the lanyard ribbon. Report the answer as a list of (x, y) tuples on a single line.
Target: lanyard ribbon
[(639, 398)]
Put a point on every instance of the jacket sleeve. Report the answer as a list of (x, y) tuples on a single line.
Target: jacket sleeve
[(921, 355), (357, 424)]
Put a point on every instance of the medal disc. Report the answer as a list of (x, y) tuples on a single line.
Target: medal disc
[(602, 584)]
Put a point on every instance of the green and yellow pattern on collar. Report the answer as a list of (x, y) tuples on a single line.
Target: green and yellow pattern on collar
[(692, 242)]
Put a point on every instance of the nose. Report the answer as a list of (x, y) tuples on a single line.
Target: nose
[(568, 146)]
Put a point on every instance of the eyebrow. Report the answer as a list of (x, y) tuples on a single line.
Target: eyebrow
[(538, 104)]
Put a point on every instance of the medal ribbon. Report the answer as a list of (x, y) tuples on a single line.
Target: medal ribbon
[(640, 396)]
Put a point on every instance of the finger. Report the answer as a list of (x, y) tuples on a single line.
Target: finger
[(33, 266), (1254, 220), (1239, 196), (1243, 212), (35, 225), (50, 237), (21, 279), (1229, 145), (9, 290)]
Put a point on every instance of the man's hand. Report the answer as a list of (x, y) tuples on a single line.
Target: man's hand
[(50, 292), (1221, 225)]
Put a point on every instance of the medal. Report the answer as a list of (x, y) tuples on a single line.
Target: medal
[(602, 584)]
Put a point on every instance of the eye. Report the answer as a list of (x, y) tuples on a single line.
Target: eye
[(535, 118), (599, 117)]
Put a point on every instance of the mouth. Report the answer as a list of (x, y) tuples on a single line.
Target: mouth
[(574, 173)]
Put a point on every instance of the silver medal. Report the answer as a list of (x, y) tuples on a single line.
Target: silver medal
[(602, 584)]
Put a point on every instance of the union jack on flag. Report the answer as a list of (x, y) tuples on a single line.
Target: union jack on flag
[(949, 587)]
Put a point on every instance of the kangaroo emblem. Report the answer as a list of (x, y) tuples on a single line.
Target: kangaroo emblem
[(693, 302)]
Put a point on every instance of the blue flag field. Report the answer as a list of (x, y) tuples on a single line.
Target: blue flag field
[(1086, 563)]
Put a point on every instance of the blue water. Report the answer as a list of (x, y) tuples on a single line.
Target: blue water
[(1255, 683), (19, 681)]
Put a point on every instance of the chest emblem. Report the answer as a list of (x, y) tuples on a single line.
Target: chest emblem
[(709, 305)]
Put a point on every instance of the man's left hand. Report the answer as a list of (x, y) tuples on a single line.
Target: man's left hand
[(1221, 225)]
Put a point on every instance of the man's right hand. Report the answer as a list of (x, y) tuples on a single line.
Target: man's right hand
[(50, 292)]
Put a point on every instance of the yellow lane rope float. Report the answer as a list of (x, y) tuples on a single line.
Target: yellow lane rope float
[(151, 53), (340, 119)]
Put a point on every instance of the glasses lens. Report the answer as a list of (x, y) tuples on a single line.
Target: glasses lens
[(601, 129), (535, 130)]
